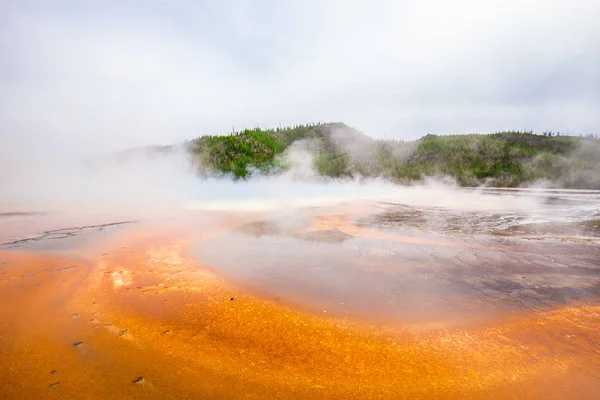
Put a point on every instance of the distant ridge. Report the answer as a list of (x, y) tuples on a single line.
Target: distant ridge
[(505, 159)]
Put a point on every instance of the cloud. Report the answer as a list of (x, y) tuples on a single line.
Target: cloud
[(85, 77)]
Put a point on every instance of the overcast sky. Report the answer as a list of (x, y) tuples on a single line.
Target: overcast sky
[(96, 76)]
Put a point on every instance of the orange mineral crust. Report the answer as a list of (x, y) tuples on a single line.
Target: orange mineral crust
[(144, 320)]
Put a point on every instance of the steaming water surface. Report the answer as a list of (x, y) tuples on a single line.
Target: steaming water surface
[(117, 298), (403, 262), (418, 254)]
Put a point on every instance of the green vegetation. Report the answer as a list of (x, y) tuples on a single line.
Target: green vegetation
[(235, 153), (507, 159), (238, 153)]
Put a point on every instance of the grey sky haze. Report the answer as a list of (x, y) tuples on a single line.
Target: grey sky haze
[(91, 77)]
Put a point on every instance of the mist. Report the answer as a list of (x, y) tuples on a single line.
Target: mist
[(151, 181), (98, 78), (283, 199), (80, 83)]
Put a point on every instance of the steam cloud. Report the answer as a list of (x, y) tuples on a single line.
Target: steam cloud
[(149, 181)]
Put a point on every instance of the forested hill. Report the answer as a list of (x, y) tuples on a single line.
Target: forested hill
[(506, 159)]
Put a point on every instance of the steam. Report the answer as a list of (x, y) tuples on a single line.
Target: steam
[(137, 181), (579, 168), (300, 185), (155, 181), (298, 161), (361, 148)]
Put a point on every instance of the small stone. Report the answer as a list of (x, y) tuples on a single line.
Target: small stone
[(139, 380), (231, 299), (77, 344), (53, 371)]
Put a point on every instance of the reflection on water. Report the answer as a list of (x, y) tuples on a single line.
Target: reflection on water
[(404, 281), (557, 213), (428, 264)]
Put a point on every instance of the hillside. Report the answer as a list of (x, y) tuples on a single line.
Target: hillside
[(506, 159)]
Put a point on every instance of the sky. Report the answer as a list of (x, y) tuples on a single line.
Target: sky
[(93, 77)]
